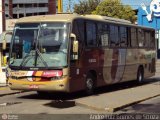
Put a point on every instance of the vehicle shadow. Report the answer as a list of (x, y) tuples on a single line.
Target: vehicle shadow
[(61, 104)]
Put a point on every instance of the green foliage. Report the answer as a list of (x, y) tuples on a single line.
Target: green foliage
[(86, 6), (110, 8), (114, 8)]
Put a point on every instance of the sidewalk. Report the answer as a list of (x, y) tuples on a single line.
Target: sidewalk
[(5, 90), (116, 100)]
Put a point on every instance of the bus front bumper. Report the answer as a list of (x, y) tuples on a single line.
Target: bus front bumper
[(61, 85)]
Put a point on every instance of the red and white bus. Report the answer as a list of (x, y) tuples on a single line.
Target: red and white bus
[(69, 52)]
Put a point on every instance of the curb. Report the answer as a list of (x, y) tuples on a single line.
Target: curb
[(114, 109), (11, 92)]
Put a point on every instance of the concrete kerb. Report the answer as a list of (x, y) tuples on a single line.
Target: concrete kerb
[(1, 95), (126, 97), (110, 109), (133, 103), (89, 106), (5, 90)]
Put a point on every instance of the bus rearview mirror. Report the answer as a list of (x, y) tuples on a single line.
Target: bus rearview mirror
[(75, 46), (4, 43), (75, 50), (73, 37)]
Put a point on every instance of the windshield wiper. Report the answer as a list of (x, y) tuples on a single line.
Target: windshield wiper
[(40, 55), (24, 61), (30, 55), (36, 52)]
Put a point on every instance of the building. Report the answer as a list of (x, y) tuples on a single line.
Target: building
[(10, 10), (2, 16), (22, 8), (14, 9), (150, 16)]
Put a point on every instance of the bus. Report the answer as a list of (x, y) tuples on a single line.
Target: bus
[(71, 52)]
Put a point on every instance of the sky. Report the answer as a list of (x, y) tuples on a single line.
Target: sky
[(134, 3)]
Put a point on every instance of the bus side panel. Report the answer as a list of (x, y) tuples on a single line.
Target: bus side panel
[(130, 72), (77, 81), (136, 58), (147, 58), (105, 66), (88, 61), (114, 65), (91, 62)]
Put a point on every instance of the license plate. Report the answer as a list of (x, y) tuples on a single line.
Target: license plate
[(33, 86)]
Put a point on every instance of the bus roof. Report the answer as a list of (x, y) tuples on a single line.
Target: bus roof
[(68, 17), (99, 17), (48, 18)]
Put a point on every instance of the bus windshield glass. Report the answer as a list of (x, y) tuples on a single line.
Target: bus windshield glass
[(39, 45)]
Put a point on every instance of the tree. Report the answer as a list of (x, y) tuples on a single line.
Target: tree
[(114, 8), (86, 6)]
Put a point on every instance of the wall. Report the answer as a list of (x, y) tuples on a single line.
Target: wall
[(154, 23), (142, 19), (1, 21)]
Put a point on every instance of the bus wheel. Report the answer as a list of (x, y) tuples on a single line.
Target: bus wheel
[(89, 84), (140, 75)]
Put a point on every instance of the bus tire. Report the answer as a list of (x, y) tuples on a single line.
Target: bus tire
[(90, 84), (140, 75)]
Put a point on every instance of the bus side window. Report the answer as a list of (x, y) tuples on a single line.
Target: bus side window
[(91, 36), (128, 37), (114, 36), (147, 38), (103, 34), (141, 42), (78, 29), (123, 36), (134, 40), (152, 40)]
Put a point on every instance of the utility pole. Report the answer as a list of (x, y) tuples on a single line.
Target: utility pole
[(60, 5)]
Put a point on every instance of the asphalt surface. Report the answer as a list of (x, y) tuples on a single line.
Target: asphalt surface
[(23, 105)]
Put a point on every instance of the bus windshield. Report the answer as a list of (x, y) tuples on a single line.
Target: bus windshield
[(39, 45)]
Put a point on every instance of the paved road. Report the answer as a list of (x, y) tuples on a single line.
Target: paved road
[(31, 103), (147, 107)]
